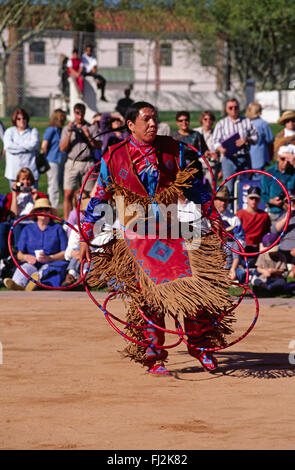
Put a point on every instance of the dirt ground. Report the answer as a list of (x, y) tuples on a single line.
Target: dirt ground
[(64, 384)]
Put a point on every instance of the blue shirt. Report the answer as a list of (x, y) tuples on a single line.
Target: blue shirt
[(52, 135), (52, 240), (259, 152), (270, 188)]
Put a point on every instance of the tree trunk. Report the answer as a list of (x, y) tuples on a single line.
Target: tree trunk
[(14, 72)]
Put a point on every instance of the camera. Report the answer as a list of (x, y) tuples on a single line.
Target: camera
[(20, 188)]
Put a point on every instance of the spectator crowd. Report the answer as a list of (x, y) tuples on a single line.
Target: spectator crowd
[(48, 252)]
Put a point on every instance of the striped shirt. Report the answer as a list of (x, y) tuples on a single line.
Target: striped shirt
[(226, 128)]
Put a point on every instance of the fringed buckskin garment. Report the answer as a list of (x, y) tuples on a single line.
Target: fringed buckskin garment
[(161, 276)]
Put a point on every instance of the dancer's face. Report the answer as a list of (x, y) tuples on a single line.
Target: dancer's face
[(145, 127)]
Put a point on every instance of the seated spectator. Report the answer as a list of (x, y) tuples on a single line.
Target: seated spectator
[(287, 243), (50, 147), (72, 219), (21, 201), (41, 249), (207, 119), (261, 153), (271, 269), (90, 69), (271, 192), (75, 70), (72, 253), (256, 223), (232, 225), (287, 135), (4, 229), (21, 144), (124, 103)]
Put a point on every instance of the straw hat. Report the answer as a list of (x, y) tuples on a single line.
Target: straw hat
[(43, 203), (224, 195), (286, 116)]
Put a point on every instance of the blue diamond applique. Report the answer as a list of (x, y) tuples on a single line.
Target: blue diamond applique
[(160, 251), (123, 173)]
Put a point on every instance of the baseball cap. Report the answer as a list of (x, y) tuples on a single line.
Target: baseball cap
[(254, 191)]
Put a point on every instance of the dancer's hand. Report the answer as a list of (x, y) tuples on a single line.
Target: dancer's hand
[(84, 252)]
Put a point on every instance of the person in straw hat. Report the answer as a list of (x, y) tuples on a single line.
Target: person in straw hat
[(261, 153), (287, 135), (41, 248)]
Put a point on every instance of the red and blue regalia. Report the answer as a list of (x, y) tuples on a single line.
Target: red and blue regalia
[(159, 275)]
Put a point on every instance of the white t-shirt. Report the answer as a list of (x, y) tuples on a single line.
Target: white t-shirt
[(88, 62)]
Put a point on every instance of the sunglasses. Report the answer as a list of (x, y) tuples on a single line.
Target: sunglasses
[(45, 209), (21, 118), (208, 119), (253, 197), (290, 120), (183, 120), (233, 107), (283, 159)]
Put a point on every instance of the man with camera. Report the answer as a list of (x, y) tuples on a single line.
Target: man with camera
[(78, 140)]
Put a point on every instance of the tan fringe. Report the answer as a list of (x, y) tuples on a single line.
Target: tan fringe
[(206, 289), (167, 196)]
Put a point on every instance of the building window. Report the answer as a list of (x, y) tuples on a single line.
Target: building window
[(37, 52), (166, 54), (125, 55)]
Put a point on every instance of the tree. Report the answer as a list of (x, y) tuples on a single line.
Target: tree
[(258, 37), (24, 20)]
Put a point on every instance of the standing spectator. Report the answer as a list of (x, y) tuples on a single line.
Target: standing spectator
[(78, 139), (50, 147), (21, 201), (232, 225), (124, 103), (256, 223), (110, 122), (41, 249), (63, 74), (194, 138), (186, 134), (238, 158), (90, 69), (261, 153), (207, 119), (271, 191), (287, 135), (21, 144), (75, 70)]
